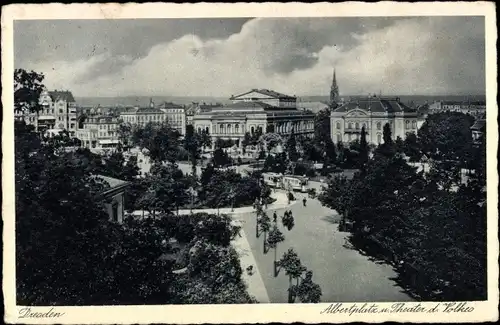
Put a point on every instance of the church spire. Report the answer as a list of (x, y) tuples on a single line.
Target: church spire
[(334, 91)]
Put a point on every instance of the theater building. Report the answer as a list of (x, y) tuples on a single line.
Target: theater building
[(373, 113), (262, 109)]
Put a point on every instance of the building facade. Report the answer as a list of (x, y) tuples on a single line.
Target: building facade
[(113, 197), (474, 108), (373, 113), (98, 132), (175, 116), (58, 112), (257, 109)]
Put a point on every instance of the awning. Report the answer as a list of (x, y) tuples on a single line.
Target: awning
[(46, 118), (109, 141)]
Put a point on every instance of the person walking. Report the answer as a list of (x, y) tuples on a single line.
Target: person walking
[(275, 217), (304, 201)]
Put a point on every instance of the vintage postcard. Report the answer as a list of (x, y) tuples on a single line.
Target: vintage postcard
[(249, 163)]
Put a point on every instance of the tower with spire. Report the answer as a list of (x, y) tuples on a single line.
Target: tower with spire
[(334, 91)]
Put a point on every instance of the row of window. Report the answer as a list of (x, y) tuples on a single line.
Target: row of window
[(153, 118), (358, 126)]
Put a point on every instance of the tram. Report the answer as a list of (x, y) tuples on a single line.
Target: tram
[(286, 182)]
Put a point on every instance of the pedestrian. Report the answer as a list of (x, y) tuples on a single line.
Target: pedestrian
[(304, 201), (275, 216)]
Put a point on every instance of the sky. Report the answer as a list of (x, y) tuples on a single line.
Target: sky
[(224, 57)]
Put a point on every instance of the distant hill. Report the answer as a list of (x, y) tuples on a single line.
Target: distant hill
[(144, 100)]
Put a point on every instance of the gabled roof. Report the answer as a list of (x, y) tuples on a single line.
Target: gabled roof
[(376, 104), (112, 182), (266, 92), (63, 95)]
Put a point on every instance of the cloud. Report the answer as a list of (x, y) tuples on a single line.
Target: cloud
[(433, 55)]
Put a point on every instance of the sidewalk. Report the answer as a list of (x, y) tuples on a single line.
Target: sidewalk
[(280, 203), (254, 282)]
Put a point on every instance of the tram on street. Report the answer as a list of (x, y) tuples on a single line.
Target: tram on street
[(286, 182)]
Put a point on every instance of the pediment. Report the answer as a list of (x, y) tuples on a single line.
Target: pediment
[(356, 112), (253, 94)]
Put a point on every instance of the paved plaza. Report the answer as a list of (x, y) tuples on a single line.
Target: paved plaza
[(343, 274)]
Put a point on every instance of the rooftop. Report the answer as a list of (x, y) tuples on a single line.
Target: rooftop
[(112, 182), (266, 92), (63, 95), (170, 105), (479, 125), (376, 104)]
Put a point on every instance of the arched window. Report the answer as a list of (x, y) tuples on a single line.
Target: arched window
[(364, 125), (339, 137), (338, 125), (237, 128), (229, 128), (379, 126), (350, 126), (407, 124), (379, 138), (357, 126), (199, 130), (222, 128), (207, 130), (414, 124), (252, 130)]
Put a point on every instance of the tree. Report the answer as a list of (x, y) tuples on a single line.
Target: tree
[(206, 139), (363, 149), (330, 152), (308, 291), (124, 132), (258, 213), (447, 136), (264, 226), (287, 220), (293, 267), (192, 144), (246, 141), (220, 158), (160, 141), (411, 147), (291, 147), (322, 125), (386, 149), (275, 237), (28, 87)]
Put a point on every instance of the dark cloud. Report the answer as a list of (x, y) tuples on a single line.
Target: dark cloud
[(70, 40)]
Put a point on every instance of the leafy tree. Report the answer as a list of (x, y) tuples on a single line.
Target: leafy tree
[(322, 125), (308, 291), (125, 131), (411, 147), (220, 158), (291, 148), (287, 220), (192, 144), (399, 145), (258, 213), (363, 149), (28, 87), (246, 141), (293, 267), (386, 149), (447, 136), (270, 128), (264, 227), (275, 237), (160, 141), (205, 138), (330, 152)]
